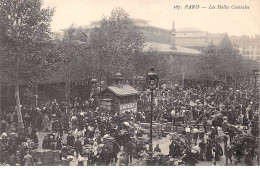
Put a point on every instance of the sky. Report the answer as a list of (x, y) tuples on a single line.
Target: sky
[(161, 13)]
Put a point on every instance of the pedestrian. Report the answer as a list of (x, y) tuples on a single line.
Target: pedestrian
[(157, 148), (70, 140), (34, 136), (201, 133), (228, 154), (58, 143), (195, 135), (122, 159), (209, 151), (46, 122), (78, 147), (225, 140), (28, 159), (202, 147), (116, 149), (129, 151), (80, 161)]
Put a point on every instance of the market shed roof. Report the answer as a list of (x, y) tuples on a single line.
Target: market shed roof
[(124, 90), (166, 48)]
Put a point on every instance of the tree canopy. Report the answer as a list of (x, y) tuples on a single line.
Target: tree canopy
[(116, 42), (24, 37)]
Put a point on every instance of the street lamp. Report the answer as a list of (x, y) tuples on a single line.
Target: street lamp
[(93, 81), (237, 78), (256, 72), (152, 83), (170, 79)]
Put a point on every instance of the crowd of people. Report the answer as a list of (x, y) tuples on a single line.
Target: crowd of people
[(217, 121)]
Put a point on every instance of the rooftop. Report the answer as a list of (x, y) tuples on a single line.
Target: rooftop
[(125, 90), (166, 48)]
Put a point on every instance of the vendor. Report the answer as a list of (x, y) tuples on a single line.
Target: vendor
[(157, 148)]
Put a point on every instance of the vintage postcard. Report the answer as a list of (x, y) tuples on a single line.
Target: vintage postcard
[(129, 82)]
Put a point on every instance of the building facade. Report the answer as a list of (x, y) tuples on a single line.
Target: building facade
[(249, 47)]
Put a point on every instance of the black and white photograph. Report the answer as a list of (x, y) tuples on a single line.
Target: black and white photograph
[(129, 83)]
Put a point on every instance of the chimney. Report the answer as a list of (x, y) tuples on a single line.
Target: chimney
[(173, 36)]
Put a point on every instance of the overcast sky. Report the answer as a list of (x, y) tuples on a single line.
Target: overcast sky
[(160, 13)]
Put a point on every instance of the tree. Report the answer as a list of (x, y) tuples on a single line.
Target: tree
[(72, 52), (24, 41), (116, 42), (231, 61), (221, 61), (211, 63), (145, 60)]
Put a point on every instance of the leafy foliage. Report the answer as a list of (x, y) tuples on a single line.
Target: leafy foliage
[(25, 34), (145, 60), (221, 61), (116, 42)]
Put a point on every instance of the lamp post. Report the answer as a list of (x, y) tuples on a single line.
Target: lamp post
[(237, 79), (256, 72), (152, 83), (170, 79), (93, 81)]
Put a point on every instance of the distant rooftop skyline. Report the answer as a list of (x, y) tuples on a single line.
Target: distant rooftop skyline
[(160, 13)]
